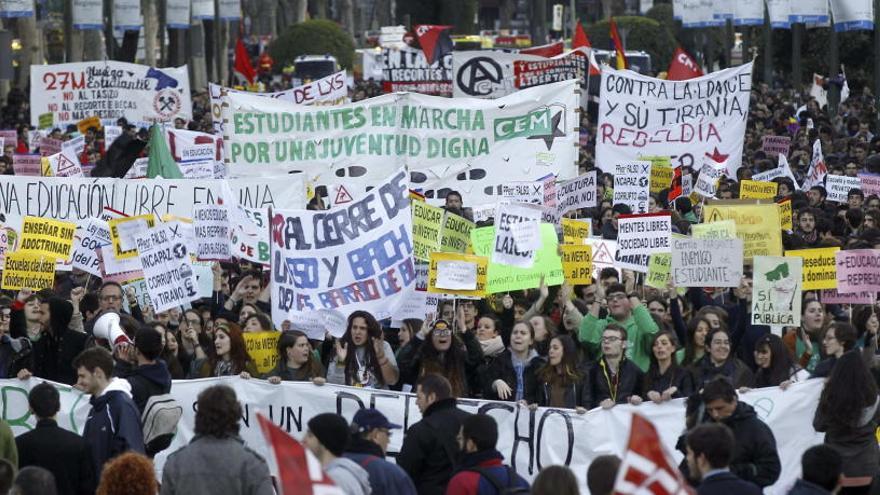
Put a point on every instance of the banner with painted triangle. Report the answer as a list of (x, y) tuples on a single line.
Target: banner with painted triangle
[(339, 195), (65, 164)]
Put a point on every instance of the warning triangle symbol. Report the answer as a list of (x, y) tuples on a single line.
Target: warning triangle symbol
[(342, 196), (65, 166), (715, 216)]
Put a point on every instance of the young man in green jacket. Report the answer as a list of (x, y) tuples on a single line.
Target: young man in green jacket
[(627, 312)]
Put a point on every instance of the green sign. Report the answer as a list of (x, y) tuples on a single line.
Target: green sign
[(504, 278), (46, 120), (535, 123)]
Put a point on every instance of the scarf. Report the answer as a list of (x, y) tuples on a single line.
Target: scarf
[(492, 347)]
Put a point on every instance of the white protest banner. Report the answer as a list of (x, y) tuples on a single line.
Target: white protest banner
[(748, 13), (73, 199), (250, 234), (177, 14), (576, 193), (776, 290), (65, 164), (188, 146), (517, 235), (16, 8), (330, 90), (407, 69), (317, 266), (27, 165), (49, 146), (838, 186), (437, 138), (527, 438), (203, 10), (211, 228), (229, 10), (482, 213), (202, 169), (858, 270), (779, 12), (783, 170), (851, 15), (127, 16), (523, 192), (493, 74), (809, 12), (707, 262), (870, 183), (91, 234), (114, 266), (632, 183), (644, 234), (456, 275), (110, 90), (167, 268), (643, 116), (111, 133), (707, 181), (87, 15), (604, 254), (76, 144), (138, 169)]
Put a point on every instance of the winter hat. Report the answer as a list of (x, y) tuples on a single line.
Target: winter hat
[(332, 431)]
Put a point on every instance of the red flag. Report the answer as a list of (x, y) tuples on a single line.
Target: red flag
[(580, 37), (243, 63), (683, 66), (299, 471), (428, 35), (550, 50), (675, 189), (618, 46), (646, 466)]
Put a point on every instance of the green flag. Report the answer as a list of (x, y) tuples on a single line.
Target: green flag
[(161, 162)]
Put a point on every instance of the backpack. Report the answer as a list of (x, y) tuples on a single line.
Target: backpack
[(159, 422), (510, 489)]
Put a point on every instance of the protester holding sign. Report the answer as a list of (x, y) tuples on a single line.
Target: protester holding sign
[(296, 360)]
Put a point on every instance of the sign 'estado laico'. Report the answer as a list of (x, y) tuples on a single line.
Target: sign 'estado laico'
[(110, 90), (316, 265), (529, 439), (700, 117), (464, 144), (74, 199)]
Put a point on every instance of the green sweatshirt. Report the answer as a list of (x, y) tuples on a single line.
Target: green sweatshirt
[(640, 329)]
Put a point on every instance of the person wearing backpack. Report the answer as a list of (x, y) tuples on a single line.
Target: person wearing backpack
[(482, 470), (370, 435)]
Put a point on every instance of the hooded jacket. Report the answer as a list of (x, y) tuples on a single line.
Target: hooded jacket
[(113, 425), (54, 351), (430, 450), (351, 478), (148, 380), (467, 481), (386, 478)]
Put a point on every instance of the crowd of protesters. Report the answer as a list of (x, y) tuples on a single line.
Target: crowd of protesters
[(580, 347)]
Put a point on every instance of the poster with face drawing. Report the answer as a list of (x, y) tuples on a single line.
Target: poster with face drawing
[(776, 290)]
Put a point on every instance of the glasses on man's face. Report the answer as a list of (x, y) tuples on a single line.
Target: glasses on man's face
[(610, 339), (193, 323), (443, 332)]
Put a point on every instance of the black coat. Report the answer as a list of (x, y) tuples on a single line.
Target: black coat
[(629, 383), (679, 377), (65, 454), (727, 484), (501, 368), (148, 380), (755, 458), (537, 390), (430, 449)]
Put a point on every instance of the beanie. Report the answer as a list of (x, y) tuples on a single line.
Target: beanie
[(332, 431)]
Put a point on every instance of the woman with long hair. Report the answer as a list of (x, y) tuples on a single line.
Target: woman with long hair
[(258, 322), (362, 356), (775, 364), (839, 338), (437, 348), (805, 343), (695, 347), (719, 361), (505, 377), (230, 355), (847, 414), (296, 360), (560, 382), (170, 351), (488, 332), (545, 330), (665, 379)]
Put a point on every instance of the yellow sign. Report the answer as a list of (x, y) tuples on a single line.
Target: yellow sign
[(427, 221), (456, 234), (724, 229), (577, 264), (757, 189), (262, 347), (122, 231), (85, 124), (785, 215), (482, 263), (45, 167), (46, 237), (820, 268), (756, 224), (575, 231), (659, 266), (661, 173), (28, 271)]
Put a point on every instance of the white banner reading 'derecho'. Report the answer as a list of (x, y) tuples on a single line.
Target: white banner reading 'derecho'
[(110, 90), (468, 145), (644, 116), (529, 440)]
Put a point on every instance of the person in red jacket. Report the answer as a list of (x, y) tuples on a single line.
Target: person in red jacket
[(481, 471)]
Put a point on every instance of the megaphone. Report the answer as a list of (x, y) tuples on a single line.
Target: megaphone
[(107, 327)]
